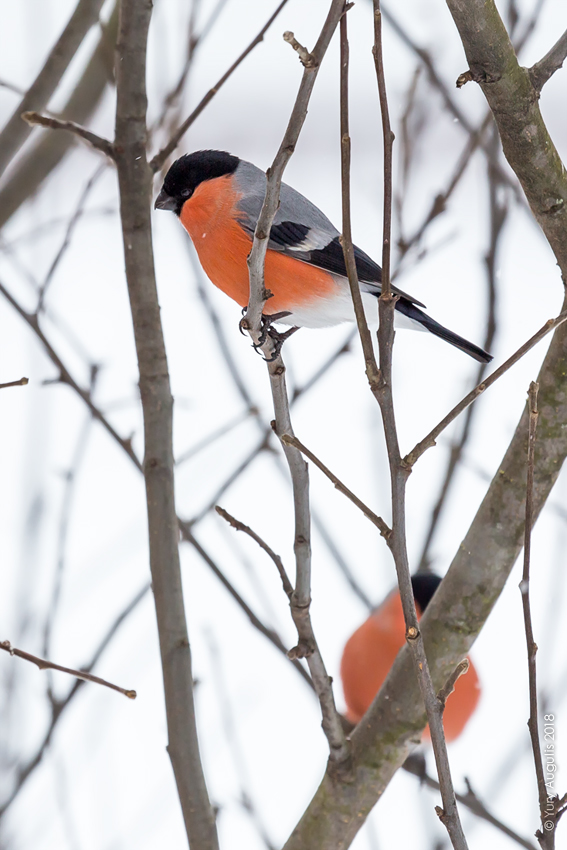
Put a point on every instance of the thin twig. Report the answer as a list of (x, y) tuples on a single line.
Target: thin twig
[(382, 527), (429, 441), (58, 706), (346, 237), (97, 142), (160, 158), (270, 634), (388, 138), (533, 722), (49, 665), (21, 383), (399, 473), (240, 526)]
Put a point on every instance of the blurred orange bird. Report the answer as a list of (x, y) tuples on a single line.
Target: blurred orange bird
[(370, 652)]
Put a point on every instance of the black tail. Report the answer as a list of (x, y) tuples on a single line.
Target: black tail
[(412, 312)]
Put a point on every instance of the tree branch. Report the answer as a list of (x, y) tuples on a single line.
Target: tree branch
[(135, 183), (545, 837), (21, 383), (382, 527), (97, 142), (553, 60), (430, 439), (49, 665), (239, 526)]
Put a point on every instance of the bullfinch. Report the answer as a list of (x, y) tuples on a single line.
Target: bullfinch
[(218, 198), (371, 650)]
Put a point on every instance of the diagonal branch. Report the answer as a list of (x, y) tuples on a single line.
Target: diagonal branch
[(42, 664), (382, 527), (240, 526), (21, 383), (553, 60), (160, 158), (97, 142), (430, 439)]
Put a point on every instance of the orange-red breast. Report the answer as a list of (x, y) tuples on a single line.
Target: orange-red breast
[(218, 198), (370, 652)]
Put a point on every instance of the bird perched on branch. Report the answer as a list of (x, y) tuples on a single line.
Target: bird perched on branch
[(371, 650), (218, 198)]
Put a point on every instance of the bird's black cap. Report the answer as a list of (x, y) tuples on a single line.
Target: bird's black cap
[(188, 172), (424, 586)]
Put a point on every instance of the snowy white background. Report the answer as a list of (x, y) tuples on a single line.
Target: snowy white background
[(105, 780)]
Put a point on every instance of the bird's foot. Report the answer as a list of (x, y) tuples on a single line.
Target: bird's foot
[(278, 338)]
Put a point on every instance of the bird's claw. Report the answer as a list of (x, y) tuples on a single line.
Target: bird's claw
[(279, 337)]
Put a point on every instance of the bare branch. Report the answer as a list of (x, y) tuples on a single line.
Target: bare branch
[(545, 836), (430, 439), (49, 665), (346, 237), (58, 706), (399, 473), (388, 138), (97, 142), (37, 97), (543, 70), (382, 527), (21, 383), (160, 158), (135, 183), (239, 526)]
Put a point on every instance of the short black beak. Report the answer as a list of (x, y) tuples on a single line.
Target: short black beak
[(165, 202)]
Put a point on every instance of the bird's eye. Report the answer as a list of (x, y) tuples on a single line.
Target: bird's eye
[(185, 193)]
